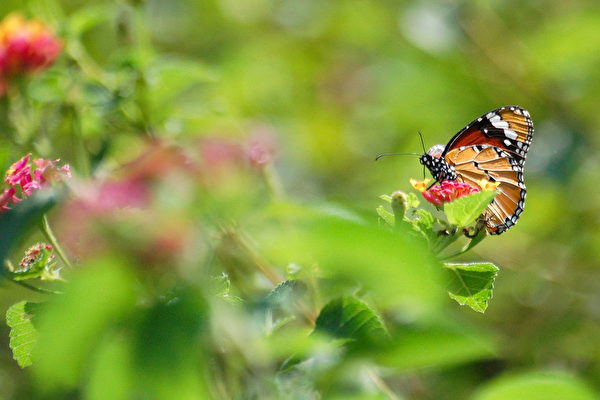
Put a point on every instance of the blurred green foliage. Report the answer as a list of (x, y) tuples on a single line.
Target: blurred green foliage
[(331, 83)]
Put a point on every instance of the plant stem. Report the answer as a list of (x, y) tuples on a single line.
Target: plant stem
[(45, 226), (273, 182), (34, 288), (381, 385), (24, 284)]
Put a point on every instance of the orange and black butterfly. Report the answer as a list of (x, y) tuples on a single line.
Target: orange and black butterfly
[(493, 147)]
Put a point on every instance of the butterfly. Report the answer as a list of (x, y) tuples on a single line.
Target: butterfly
[(493, 147)]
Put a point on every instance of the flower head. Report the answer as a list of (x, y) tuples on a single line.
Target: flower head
[(445, 192), (26, 176), (38, 255), (26, 46)]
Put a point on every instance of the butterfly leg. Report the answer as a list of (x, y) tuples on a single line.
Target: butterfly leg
[(472, 232)]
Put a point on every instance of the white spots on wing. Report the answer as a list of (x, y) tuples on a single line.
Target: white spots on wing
[(507, 142), (499, 123), (509, 133)]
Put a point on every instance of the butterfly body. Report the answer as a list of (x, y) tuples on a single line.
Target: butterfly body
[(493, 147)]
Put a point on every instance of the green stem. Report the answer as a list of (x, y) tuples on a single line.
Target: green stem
[(47, 231), (475, 240), (273, 182), (7, 275), (34, 288)]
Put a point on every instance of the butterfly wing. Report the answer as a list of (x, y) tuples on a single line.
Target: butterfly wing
[(494, 147), (474, 163), (508, 128)]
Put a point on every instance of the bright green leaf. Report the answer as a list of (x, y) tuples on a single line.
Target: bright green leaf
[(284, 294), (386, 197), (435, 347), (472, 284), (387, 216), (412, 200), (87, 18), (23, 334), (537, 386), (396, 267), (97, 298), (111, 374), (463, 211)]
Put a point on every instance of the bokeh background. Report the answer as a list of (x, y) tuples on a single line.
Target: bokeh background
[(332, 84)]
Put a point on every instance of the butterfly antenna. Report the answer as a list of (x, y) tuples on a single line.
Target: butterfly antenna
[(395, 154), (422, 142)]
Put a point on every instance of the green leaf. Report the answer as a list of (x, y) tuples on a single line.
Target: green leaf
[(412, 200), (416, 348), (17, 222), (424, 220), (461, 212), (386, 197), (350, 318), (472, 284), (396, 268), (285, 294), (169, 345), (23, 335), (87, 18), (97, 298), (537, 386), (111, 374), (387, 216)]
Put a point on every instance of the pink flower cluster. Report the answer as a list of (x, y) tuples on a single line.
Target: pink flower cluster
[(35, 254), (25, 47), (448, 191), (25, 177)]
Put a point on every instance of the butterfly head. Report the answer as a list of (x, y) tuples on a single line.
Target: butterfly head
[(437, 165)]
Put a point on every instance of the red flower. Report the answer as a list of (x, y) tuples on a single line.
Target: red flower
[(446, 191), (26, 47)]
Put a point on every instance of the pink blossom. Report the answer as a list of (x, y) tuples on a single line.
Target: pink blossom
[(35, 254), (448, 191), (261, 148), (24, 179)]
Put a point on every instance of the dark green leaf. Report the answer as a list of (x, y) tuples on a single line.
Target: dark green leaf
[(17, 222), (472, 284), (351, 318), (23, 334), (463, 211), (168, 345)]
